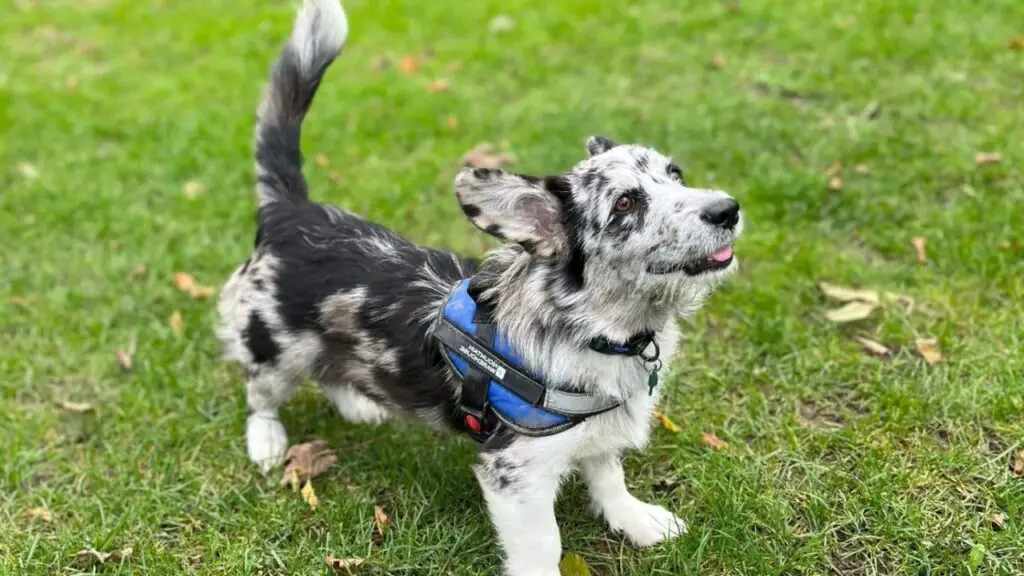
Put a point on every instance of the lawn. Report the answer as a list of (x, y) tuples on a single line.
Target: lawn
[(845, 129)]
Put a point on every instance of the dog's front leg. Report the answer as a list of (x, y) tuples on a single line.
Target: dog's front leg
[(644, 524), (520, 483)]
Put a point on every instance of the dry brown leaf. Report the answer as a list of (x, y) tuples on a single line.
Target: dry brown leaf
[(861, 169), (872, 347), (987, 158), (1016, 43), (192, 188), (998, 521), (381, 521), (28, 171), (844, 294), (123, 358), (39, 514), (186, 283), (834, 170), (453, 123), (409, 64), (177, 324), (138, 271), (713, 442), (306, 461), (309, 495), (929, 349), (344, 565), (919, 248), (481, 157), (666, 422), (88, 557), (718, 61), (852, 312), (501, 23), (75, 407), (1017, 463), (439, 85), (835, 183)]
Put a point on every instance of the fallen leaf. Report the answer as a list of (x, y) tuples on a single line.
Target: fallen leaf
[(850, 313), (987, 158), (998, 521), (501, 23), (306, 461), (873, 347), (322, 161), (919, 247), (71, 82), (1017, 463), (665, 422), (929, 349), (177, 324), (123, 358), (573, 564), (28, 171), (138, 271), (453, 123), (40, 514), (75, 407), (186, 283), (844, 294), (718, 61), (439, 85), (481, 157), (381, 521), (409, 64), (713, 442), (1016, 43), (861, 169), (192, 188), (309, 495), (834, 169), (345, 565), (835, 184), (88, 557)]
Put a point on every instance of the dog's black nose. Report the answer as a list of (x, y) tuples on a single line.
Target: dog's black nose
[(724, 213)]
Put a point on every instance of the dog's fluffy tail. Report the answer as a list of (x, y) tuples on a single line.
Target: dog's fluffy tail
[(317, 38)]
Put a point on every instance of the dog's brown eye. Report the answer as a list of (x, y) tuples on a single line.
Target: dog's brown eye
[(624, 204)]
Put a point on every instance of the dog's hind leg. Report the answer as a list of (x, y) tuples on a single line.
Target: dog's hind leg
[(355, 406), (266, 439)]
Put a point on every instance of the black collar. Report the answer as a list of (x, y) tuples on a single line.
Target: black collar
[(635, 346)]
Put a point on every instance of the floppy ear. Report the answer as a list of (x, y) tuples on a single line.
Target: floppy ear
[(515, 208), (599, 144)]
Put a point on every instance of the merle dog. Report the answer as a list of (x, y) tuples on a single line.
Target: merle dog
[(617, 246)]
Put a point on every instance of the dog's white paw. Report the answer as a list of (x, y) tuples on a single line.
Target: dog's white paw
[(355, 406), (644, 524), (267, 441)]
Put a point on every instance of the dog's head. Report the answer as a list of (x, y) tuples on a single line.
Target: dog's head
[(623, 219)]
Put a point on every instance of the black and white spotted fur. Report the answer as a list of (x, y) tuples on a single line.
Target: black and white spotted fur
[(349, 303)]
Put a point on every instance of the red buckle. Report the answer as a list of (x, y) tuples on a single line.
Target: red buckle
[(473, 423)]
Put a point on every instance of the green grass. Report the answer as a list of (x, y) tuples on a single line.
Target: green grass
[(839, 463)]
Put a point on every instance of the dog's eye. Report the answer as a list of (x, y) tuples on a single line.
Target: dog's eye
[(675, 174), (624, 204)]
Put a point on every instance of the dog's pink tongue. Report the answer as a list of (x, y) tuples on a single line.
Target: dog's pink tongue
[(722, 255)]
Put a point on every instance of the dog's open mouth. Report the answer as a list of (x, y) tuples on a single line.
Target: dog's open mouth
[(719, 260)]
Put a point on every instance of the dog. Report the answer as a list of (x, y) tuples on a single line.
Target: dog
[(612, 251)]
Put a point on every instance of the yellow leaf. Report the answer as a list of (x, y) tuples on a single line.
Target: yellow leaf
[(309, 495), (987, 158), (344, 565), (573, 564), (177, 324), (666, 422), (844, 294), (718, 61), (186, 283), (409, 64), (439, 85), (713, 442), (39, 513), (929, 349), (835, 183), (192, 188), (850, 313), (919, 247)]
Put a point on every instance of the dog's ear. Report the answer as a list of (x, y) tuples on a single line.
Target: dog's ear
[(599, 144), (522, 209)]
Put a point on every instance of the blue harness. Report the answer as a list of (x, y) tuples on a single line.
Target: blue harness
[(497, 390)]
